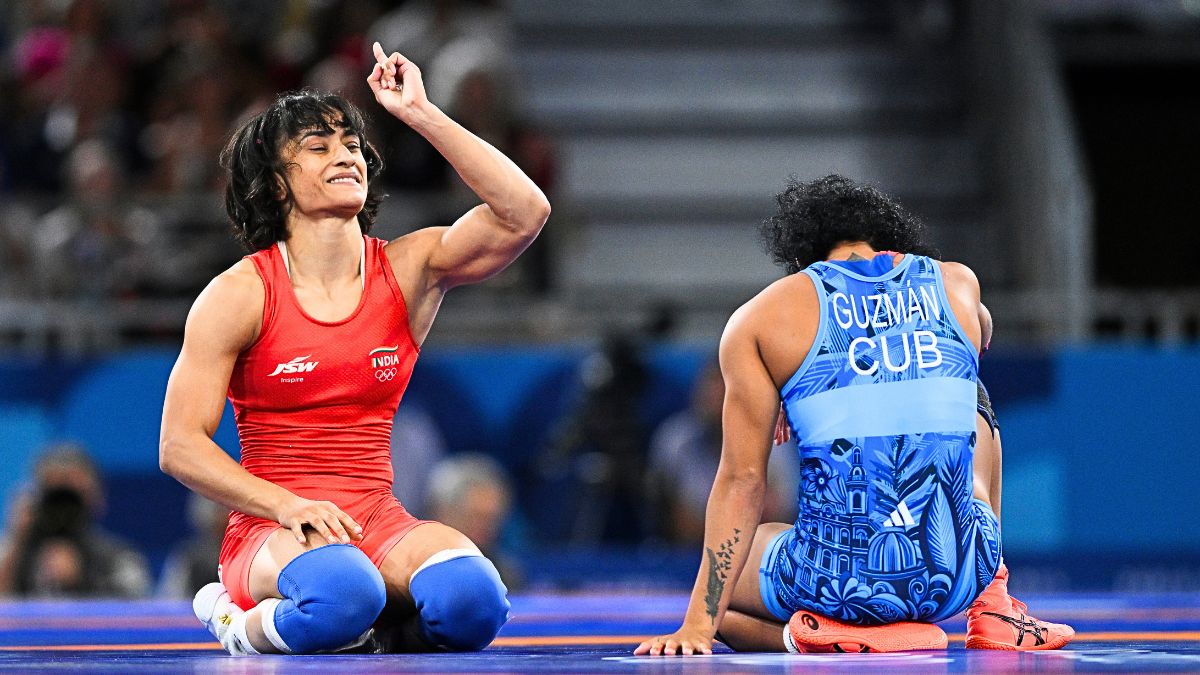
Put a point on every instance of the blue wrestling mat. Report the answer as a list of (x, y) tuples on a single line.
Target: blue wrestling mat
[(589, 633)]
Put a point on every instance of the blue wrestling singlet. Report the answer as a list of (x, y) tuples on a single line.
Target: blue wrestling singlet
[(883, 413)]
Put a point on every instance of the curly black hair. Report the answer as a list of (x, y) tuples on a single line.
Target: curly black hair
[(253, 160), (816, 216)]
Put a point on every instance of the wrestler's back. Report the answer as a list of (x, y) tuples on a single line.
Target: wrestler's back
[(882, 407)]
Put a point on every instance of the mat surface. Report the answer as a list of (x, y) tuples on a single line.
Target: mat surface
[(592, 633)]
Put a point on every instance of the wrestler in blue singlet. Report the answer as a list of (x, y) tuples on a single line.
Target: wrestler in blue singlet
[(883, 412)]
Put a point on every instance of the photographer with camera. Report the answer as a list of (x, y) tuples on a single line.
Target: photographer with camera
[(55, 548)]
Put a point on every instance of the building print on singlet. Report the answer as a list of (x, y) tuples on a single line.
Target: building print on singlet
[(883, 412)]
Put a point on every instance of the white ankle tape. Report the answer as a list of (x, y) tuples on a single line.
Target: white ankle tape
[(442, 556), (236, 641), (788, 642), (267, 616)]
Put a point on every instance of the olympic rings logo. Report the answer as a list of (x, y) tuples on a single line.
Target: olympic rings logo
[(385, 375)]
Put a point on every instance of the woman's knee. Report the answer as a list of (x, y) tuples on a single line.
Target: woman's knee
[(331, 595), (461, 601)]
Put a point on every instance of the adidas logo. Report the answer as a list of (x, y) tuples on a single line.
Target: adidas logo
[(900, 517)]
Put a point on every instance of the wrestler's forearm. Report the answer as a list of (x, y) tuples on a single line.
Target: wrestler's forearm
[(734, 510), (513, 197), (203, 466)]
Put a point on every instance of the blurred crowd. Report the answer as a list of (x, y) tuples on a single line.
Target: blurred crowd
[(603, 476), (113, 114)]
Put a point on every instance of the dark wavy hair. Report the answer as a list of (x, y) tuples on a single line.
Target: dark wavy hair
[(254, 162), (816, 216)]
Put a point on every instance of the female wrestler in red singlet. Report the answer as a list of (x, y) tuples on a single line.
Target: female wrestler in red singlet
[(313, 337)]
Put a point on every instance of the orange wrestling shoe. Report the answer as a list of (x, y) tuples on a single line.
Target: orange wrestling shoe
[(809, 633), (996, 620)]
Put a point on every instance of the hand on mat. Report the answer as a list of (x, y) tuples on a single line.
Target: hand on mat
[(684, 641), (783, 433), (325, 517)]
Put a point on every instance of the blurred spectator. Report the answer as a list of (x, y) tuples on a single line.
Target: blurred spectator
[(342, 75), (95, 244), (72, 78), (193, 562), (479, 104), (449, 39), (15, 251), (464, 48), (193, 85), (471, 493), (534, 151), (54, 547), (684, 453), (596, 460), (417, 447), (482, 102), (113, 114)]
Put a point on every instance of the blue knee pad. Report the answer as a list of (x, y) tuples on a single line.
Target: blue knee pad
[(461, 603), (331, 595)]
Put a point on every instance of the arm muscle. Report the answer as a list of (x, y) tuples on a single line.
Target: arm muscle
[(223, 321)]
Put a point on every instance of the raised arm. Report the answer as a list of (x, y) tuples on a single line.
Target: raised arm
[(488, 237), (736, 501), (223, 321)]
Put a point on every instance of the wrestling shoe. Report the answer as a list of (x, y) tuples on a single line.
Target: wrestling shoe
[(367, 643), (809, 633), (996, 620), (218, 613)]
